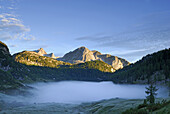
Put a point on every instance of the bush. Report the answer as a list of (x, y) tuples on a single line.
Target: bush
[(142, 106), (142, 111), (135, 111), (154, 107), (149, 108)]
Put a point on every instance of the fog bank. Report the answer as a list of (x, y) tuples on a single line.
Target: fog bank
[(75, 92), (79, 91)]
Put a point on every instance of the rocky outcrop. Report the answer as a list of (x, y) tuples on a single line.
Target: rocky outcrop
[(4, 56), (42, 52), (4, 51), (50, 55), (79, 55), (83, 54)]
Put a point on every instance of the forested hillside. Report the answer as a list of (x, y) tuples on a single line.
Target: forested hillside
[(151, 68)]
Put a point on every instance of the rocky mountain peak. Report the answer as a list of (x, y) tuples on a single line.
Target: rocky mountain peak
[(83, 54), (40, 51), (83, 49), (95, 53), (50, 55)]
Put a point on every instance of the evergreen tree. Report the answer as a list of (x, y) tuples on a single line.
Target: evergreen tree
[(151, 92)]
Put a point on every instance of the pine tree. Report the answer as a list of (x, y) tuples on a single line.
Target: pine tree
[(151, 92)]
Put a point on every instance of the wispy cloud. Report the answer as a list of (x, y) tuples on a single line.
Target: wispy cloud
[(10, 8), (13, 46), (125, 52), (98, 37), (11, 27), (29, 38), (151, 33)]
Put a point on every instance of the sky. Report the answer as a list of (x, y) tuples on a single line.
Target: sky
[(129, 29)]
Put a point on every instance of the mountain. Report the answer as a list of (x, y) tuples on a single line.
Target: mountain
[(83, 54), (29, 67), (50, 55), (37, 59), (100, 65), (42, 52), (153, 68), (7, 80)]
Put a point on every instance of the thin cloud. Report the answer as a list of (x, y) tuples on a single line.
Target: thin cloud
[(13, 45), (30, 38), (5, 37), (11, 28), (94, 37), (125, 52), (11, 8), (152, 30)]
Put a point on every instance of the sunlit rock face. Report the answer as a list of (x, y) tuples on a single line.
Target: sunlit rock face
[(50, 55), (83, 54), (42, 52), (79, 55)]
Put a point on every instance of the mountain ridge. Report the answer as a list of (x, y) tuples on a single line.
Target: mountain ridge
[(83, 54), (42, 52), (80, 55), (14, 75), (37, 59), (152, 68)]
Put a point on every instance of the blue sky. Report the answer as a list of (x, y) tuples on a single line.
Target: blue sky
[(126, 28)]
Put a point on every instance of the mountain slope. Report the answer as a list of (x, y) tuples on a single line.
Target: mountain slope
[(7, 80), (42, 52), (83, 54), (151, 68), (13, 74), (33, 58), (100, 65)]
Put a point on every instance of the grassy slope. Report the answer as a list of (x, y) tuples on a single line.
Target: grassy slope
[(111, 106), (164, 110)]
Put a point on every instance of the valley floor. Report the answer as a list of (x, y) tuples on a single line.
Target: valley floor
[(110, 106)]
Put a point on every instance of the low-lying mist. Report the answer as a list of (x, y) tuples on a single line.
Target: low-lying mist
[(80, 91)]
